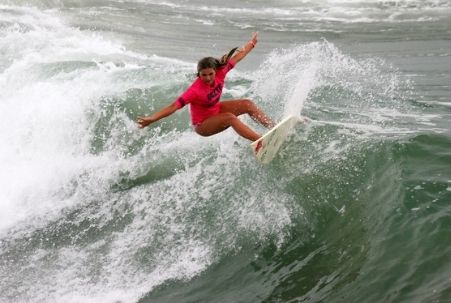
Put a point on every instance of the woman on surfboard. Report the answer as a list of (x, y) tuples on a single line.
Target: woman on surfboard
[(210, 116)]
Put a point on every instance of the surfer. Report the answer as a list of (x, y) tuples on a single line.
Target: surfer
[(210, 116)]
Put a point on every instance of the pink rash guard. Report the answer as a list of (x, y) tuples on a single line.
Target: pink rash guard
[(203, 98)]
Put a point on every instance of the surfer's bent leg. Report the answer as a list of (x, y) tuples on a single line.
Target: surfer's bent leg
[(246, 106), (221, 122)]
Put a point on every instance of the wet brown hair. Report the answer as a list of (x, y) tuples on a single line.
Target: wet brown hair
[(210, 62)]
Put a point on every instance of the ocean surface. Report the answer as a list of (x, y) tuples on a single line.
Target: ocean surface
[(356, 207)]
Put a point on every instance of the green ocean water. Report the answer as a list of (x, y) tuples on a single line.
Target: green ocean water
[(354, 208)]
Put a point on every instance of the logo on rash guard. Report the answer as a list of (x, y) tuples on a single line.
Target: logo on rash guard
[(215, 94)]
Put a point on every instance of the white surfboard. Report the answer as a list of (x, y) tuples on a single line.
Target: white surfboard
[(267, 146)]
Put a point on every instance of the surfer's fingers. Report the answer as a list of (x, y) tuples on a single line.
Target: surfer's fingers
[(141, 119), (254, 36), (141, 122)]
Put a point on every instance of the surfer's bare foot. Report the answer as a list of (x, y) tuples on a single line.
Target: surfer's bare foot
[(258, 146)]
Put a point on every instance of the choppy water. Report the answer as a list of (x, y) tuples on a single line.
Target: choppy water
[(355, 208)]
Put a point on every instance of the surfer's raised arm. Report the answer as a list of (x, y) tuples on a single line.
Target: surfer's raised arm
[(164, 112), (243, 51)]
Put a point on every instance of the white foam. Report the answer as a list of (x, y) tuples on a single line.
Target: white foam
[(45, 135), (61, 82)]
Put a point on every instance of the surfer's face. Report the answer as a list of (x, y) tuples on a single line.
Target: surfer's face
[(207, 75)]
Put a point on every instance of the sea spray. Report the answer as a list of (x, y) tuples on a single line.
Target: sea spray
[(317, 79)]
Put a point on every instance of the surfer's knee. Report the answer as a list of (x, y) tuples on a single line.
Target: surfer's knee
[(229, 118), (249, 105)]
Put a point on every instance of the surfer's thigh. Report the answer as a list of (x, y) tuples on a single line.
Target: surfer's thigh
[(238, 107), (215, 124)]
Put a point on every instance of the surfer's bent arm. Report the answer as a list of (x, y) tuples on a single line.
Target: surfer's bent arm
[(242, 52), (164, 112)]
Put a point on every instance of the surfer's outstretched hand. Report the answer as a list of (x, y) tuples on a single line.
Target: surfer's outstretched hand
[(254, 38), (144, 121), (164, 112)]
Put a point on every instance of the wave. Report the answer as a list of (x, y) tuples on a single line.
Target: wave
[(359, 213), (95, 209)]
